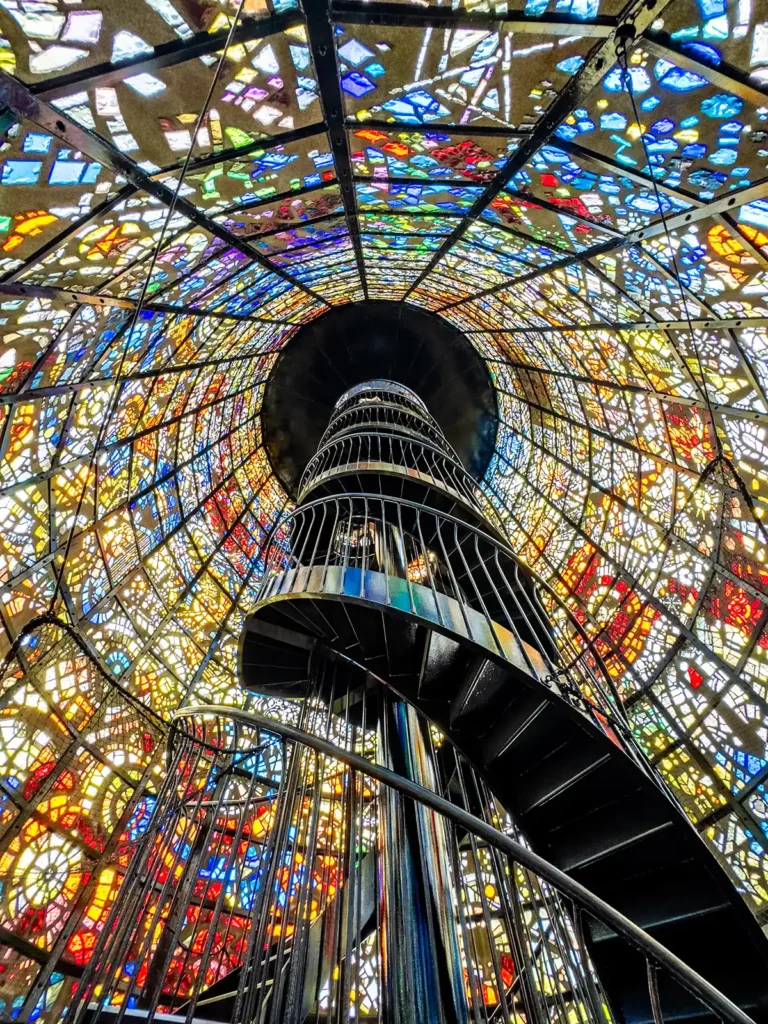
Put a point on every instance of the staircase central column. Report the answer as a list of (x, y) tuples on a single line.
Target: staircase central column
[(421, 961)]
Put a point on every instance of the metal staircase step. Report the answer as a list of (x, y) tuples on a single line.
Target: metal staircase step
[(571, 772), (673, 895), (596, 833), (523, 737), (719, 961), (487, 691), (443, 667), (303, 616)]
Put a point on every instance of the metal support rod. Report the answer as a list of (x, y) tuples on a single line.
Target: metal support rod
[(588, 901), (20, 98), (323, 46)]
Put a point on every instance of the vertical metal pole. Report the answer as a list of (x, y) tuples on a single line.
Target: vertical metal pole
[(423, 976)]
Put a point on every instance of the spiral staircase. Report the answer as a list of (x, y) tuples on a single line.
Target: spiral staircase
[(393, 567)]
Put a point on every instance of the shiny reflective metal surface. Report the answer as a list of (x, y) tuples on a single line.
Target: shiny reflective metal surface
[(288, 877)]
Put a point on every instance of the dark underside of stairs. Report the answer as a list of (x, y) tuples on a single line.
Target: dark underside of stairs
[(580, 801)]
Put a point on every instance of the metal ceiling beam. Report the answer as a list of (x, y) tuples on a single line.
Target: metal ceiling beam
[(637, 325), (241, 152), (436, 128), (89, 384), (120, 196), (638, 13), (753, 415), (311, 243), (730, 225), (623, 170), (36, 291), (724, 76), (322, 45), (397, 15), (367, 179), (18, 97), (166, 55), (297, 224), (726, 202), (276, 197), (445, 215), (565, 211)]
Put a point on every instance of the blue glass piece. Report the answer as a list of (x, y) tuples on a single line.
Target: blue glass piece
[(703, 178), (567, 132), (755, 214), (703, 52), (355, 52), (275, 160), (694, 151), (689, 32), (583, 181), (416, 107), (579, 8), (661, 146), (711, 8), (613, 122), (722, 104), (670, 76), (323, 161), (570, 65), (650, 103), (739, 172), (690, 257), (356, 85), (614, 80), (486, 48), (21, 172), (716, 28), (663, 127), (91, 175), (472, 77), (646, 202), (553, 155), (689, 122), (35, 142), (608, 186), (724, 157), (375, 70)]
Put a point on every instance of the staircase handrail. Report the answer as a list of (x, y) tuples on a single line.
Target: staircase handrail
[(656, 954)]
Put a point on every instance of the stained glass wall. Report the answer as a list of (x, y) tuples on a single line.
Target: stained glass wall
[(184, 184)]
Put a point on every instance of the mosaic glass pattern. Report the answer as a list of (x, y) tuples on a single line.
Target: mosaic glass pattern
[(181, 189)]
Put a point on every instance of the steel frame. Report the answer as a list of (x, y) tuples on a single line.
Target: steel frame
[(22, 101), (166, 55), (323, 48), (640, 13)]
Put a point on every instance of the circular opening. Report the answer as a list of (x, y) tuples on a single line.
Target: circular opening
[(366, 341)]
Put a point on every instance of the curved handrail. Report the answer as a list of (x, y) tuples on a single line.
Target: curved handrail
[(391, 434), (494, 539), (654, 951), (362, 416), (452, 476), (381, 386)]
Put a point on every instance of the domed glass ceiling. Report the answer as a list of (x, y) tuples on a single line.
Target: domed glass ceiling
[(185, 183)]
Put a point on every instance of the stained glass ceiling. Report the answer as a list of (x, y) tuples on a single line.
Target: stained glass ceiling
[(185, 183)]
